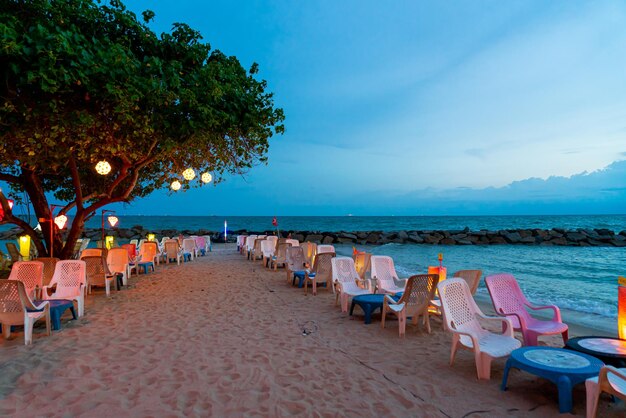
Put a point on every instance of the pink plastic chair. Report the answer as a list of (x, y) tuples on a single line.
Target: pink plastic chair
[(508, 300), (200, 244), (31, 274)]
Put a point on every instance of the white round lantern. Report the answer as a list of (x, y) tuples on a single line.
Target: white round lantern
[(103, 167), (189, 174), (175, 185), (206, 177)]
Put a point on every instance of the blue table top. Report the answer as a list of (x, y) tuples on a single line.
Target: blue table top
[(557, 360), (374, 298)]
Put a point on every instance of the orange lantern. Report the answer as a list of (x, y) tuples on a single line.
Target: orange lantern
[(441, 271), (621, 308)]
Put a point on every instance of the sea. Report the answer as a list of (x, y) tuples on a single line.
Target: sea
[(582, 281)]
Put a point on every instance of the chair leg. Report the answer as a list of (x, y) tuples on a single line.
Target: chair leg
[(483, 365), (48, 321), (383, 314), (593, 395), (455, 347), (314, 288), (565, 335), (306, 286), (344, 302), (530, 338), (6, 331), (427, 321), (28, 330), (402, 323)]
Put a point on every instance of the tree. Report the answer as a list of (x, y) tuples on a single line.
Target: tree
[(86, 81)]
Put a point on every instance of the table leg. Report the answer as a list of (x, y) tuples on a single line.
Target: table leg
[(367, 309), (55, 317), (564, 385), (352, 307), (505, 376), (73, 311)]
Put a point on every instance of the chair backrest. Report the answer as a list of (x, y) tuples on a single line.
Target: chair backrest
[(131, 250), (273, 239), (13, 252), (325, 249), (241, 240), (49, 263), (268, 247), (30, 273), (140, 244), (362, 263), (189, 244), (323, 267), (250, 242), (310, 249), (384, 271), (262, 236), (148, 251), (281, 252), (200, 242), (507, 297), (96, 270), (207, 241), (293, 242), (295, 258), (171, 248), (93, 252), (13, 300), (117, 260), (344, 273), (458, 306), (69, 275), (472, 277), (257, 246), (419, 291)]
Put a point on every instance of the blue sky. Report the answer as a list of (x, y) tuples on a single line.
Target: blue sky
[(387, 100)]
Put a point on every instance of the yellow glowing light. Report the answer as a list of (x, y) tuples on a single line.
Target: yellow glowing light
[(175, 185), (25, 246), (103, 167), (151, 237), (206, 178), (60, 221), (189, 174), (621, 308)]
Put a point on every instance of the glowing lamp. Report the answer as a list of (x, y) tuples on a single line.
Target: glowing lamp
[(113, 220), (25, 246), (189, 174), (10, 202), (151, 237), (108, 241), (206, 177), (440, 271), (60, 221), (103, 167), (175, 185), (621, 308)]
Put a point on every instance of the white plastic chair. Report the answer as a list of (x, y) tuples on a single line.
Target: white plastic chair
[(268, 248), (346, 280), (293, 242), (420, 289), (189, 247), (118, 262), (16, 308), (70, 279), (250, 245), (460, 317), (208, 247), (173, 251), (385, 276), (241, 242), (31, 274), (611, 381), (294, 261), (325, 249)]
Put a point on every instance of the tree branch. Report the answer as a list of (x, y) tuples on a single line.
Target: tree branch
[(76, 182)]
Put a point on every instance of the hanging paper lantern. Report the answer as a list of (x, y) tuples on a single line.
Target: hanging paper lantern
[(206, 177), (113, 220), (189, 174), (60, 221), (103, 167), (175, 185), (25, 246)]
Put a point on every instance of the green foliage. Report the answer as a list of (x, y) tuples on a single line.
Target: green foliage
[(88, 81)]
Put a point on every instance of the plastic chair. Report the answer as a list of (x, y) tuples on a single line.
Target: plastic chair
[(281, 255), (460, 317), (420, 290), (508, 300), (384, 275), (208, 246), (118, 263), (189, 247), (268, 247), (250, 245), (200, 245), (31, 274), (16, 308), (94, 252), (293, 242), (322, 272), (294, 262), (49, 263), (326, 249), (70, 279), (472, 277), (611, 381), (241, 242), (257, 252), (97, 273), (346, 280), (155, 249), (147, 255), (172, 251)]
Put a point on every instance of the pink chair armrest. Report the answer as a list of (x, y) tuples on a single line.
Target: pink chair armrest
[(557, 311)]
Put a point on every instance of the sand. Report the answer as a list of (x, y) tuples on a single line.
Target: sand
[(221, 336)]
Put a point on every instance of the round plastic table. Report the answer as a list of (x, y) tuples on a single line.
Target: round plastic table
[(564, 368), (611, 351), (369, 304)]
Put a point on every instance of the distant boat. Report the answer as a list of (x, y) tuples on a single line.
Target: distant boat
[(349, 214)]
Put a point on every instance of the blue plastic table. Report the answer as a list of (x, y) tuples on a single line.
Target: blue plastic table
[(300, 275), (565, 368), (57, 308), (369, 304), (146, 265)]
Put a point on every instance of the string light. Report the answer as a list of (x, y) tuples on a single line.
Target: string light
[(206, 178), (103, 167), (189, 174), (175, 185)]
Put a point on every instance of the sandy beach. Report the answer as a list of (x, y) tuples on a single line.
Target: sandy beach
[(222, 336)]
